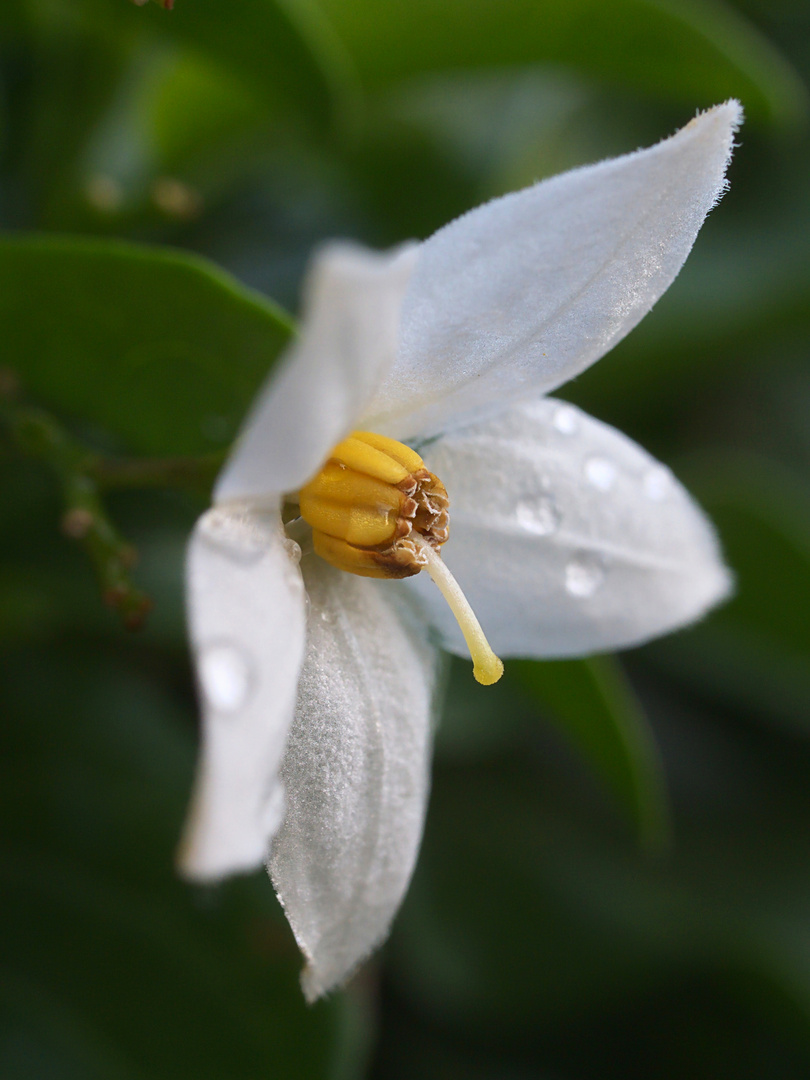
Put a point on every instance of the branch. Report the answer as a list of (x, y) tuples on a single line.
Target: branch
[(83, 476), (135, 474)]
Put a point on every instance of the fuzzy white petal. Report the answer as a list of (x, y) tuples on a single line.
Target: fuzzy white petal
[(246, 611), (356, 773), (523, 293), (567, 537), (348, 341)]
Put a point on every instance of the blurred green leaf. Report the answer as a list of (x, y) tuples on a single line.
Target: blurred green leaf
[(282, 49), (160, 348), (593, 705), (530, 918), (12, 18), (518, 917), (754, 652), (720, 319), (178, 130), (64, 75), (193, 106), (694, 51), (178, 119), (117, 968)]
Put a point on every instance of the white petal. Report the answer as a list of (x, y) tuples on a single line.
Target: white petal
[(356, 773), (567, 537), (246, 610), (347, 344), (520, 295)]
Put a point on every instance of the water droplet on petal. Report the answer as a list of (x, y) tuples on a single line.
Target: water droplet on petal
[(583, 575), (565, 420), (601, 473), (657, 483), (293, 549), (538, 514), (244, 538), (225, 676)]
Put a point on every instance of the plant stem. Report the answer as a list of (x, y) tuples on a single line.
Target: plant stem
[(136, 474), (83, 476)]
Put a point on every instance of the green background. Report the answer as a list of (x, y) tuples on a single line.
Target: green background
[(615, 877)]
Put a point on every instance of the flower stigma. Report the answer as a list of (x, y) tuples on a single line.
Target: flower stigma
[(376, 511)]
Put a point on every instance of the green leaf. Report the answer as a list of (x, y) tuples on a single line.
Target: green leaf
[(282, 50), (177, 116), (68, 75), (531, 918), (594, 707), (695, 52), (12, 18), (713, 325), (527, 906), (195, 106), (118, 968), (754, 652), (160, 348)]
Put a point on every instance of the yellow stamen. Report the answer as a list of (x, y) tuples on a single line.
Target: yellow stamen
[(376, 511), (396, 450), (366, 501), (356, 453), (487, 667)]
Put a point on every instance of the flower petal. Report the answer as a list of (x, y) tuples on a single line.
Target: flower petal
[(348, 341), (520, 295), (356, 773), (567, 537), (246, 609)]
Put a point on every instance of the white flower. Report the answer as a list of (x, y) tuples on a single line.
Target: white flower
[(567, 538)]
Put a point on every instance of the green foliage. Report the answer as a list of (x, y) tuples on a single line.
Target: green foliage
[(533, 932), (540, 937), (112, 966), (277, 48), (160, 348), (593, 705), (701, 52), (756, 651)]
